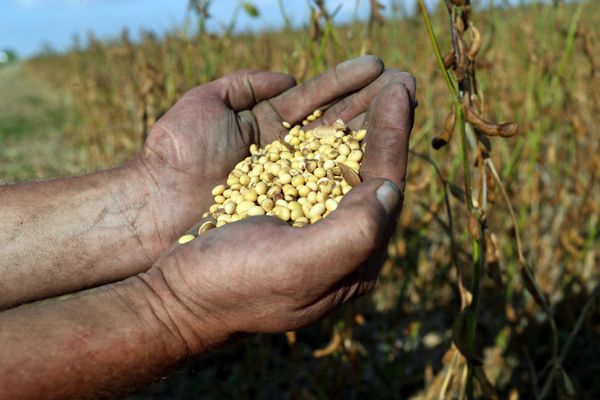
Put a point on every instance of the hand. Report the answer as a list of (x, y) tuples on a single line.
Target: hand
[(261, 275), (197, 143)]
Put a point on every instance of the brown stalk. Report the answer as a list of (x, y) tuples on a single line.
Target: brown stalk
[(376, 15)]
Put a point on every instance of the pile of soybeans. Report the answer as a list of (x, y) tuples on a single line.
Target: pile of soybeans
[(299, 178)]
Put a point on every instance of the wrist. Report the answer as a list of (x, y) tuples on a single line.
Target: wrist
[(134, 206), (186, 326), (173, 197)]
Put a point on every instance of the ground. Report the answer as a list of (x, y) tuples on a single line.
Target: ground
[(32, 121)]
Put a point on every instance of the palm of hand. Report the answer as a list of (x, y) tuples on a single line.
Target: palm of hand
[(195, 145)]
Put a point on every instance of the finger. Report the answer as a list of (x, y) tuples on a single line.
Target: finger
[(350, 235), (347, 77), (389, 122), (353, 105), (243, 89)]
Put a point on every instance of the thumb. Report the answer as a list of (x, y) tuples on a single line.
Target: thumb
[(354, 231), (389, 122)]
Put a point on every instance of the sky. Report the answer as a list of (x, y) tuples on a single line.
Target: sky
[(25, 25)]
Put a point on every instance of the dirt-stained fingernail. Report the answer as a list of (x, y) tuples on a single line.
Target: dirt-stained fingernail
[(388, 195)]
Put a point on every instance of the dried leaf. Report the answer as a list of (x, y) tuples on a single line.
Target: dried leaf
[(349, 175), (473, 227)]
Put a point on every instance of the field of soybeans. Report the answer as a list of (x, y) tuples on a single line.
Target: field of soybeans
[(491, 288)]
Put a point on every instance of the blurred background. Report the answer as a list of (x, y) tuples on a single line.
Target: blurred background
[(81, 82)]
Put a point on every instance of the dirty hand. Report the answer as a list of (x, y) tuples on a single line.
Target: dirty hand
[(196, 143), (262, 275)]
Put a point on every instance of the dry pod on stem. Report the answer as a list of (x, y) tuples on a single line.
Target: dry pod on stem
[(450, 59), (444, 138), (475, 42), (489, 128)]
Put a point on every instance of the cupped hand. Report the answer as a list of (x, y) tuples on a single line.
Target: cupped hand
[(197, 143), (261, 275)]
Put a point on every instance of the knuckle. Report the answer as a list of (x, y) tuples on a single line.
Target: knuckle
[(242, 73), (237, 78), (336, 76)]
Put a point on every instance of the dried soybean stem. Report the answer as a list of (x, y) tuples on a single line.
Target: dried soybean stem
[(490, 164), (460, 121), (556, 360), (471, 316), (464, 297), (588, 305), (436, 48)]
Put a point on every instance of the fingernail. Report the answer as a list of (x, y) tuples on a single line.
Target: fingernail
[(388, 195)]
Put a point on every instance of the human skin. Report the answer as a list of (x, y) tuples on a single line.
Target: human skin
[(70, 234), (252, 276)]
